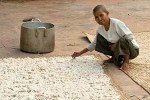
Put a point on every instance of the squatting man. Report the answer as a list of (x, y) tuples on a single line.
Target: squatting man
[(113, 38)]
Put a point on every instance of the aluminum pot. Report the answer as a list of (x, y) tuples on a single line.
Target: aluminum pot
[(37, 37)]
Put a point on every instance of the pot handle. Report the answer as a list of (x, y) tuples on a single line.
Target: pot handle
[(36, 19), (31, 19), (40, 30)]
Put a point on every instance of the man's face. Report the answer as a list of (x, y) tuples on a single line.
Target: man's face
[(101, 17)]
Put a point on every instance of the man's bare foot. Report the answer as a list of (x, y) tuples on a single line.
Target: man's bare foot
[(124, 66), (110, 60)]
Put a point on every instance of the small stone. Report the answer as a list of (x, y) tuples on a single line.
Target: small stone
[(14, 95)]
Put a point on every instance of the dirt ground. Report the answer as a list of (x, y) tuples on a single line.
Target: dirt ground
[(71, 18)]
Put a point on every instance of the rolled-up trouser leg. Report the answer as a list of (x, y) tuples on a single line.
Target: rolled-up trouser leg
[(125, 47), (102, 46)]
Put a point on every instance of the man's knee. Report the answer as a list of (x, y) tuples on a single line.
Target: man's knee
[(123, 40)]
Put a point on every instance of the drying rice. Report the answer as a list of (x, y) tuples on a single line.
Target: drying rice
[(54, 78)]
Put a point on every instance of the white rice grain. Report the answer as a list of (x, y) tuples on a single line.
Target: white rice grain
[(54, 78)]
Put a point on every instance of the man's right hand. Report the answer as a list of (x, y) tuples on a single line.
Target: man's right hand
[(76, 54)]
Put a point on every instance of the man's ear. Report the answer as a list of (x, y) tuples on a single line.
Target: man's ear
[(107, 13)]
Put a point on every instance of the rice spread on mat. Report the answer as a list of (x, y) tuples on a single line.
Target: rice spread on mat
[(54, 78)]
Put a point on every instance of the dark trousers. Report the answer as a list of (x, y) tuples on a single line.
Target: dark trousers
[(123, 47)]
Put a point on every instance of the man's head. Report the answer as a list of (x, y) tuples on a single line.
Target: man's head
[(101, 14)]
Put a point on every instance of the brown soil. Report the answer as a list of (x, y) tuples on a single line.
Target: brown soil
[(71, 18)]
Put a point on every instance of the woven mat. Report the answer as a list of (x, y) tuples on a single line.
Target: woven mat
[(140, 73), (139, 68)]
